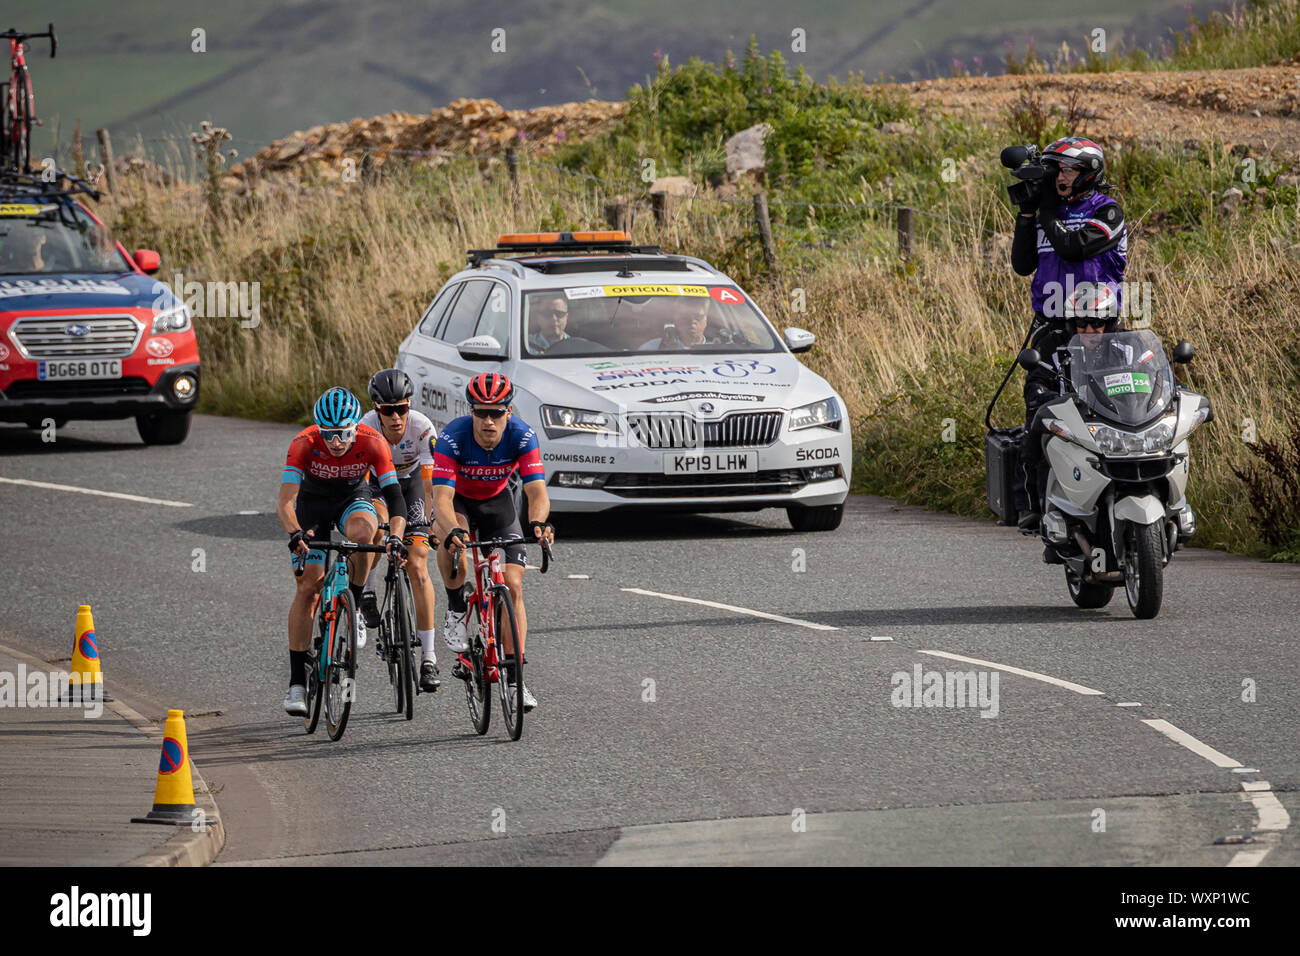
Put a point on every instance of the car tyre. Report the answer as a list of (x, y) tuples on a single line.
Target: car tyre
[(163, 428), (820, 518)]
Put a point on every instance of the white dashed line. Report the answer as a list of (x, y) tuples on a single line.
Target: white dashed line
[(1033, 675), (1129, 703), (92, 491), (812, 625), (1192, 744)]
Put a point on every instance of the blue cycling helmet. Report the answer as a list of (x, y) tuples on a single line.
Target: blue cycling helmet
[(337, 408)]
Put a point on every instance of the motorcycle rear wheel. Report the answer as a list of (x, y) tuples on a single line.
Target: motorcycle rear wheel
[(1088, 594)]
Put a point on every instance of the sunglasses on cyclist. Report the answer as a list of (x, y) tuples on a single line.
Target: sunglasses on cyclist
[(492, 413), (338, 434), (399, 409)]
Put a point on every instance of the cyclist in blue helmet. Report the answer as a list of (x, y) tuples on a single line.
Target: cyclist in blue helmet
[(325, 486)]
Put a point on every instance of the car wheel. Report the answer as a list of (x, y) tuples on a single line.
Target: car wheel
[(821, 518), (163, 428)]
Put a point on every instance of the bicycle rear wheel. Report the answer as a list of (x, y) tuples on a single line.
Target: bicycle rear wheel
[(340, 680), (477, 694), (403, 637), (20, 126), (510, 684)]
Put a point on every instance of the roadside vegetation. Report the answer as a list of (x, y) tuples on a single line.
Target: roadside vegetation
[(916, 344)]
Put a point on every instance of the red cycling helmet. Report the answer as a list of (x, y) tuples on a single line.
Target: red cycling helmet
[(489, 388)]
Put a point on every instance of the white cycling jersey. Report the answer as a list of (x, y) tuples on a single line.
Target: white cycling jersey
[(414, 449)]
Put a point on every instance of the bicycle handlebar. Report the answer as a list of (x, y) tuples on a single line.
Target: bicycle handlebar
[(548, 556), (12, 34), (326, 545)]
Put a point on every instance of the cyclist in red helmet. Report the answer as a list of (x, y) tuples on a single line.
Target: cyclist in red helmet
[(473, 459)]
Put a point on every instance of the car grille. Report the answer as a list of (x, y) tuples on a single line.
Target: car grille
[(107, 336), (88, 388), (679, 430), (655, 485)]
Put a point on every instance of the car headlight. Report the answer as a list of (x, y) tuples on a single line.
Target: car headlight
[(173, 320), (560, 420), (823, 414), (1112, 441)]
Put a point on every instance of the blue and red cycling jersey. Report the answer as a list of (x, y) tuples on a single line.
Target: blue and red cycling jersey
[(482, 473)]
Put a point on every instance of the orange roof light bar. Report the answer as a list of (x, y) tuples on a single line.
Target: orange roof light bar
[(546, 238)]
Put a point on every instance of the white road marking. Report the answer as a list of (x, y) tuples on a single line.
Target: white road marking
[(1272, 815), (1249, 857), (813, 625), (248, 512), (1192, 744), (1129, 703), (875, 638), (1244, 770), (93, 491), (1033, 675), (579, 577)]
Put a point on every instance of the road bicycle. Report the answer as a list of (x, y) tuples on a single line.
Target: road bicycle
[(491, 606), (332, 657), (19, 114), (397, 640)]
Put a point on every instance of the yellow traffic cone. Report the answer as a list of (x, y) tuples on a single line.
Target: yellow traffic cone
[(87, 679), (173, 797)]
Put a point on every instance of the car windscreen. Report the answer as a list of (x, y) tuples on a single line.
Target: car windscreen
[(642, 320), (40, 238), (1121, 376)]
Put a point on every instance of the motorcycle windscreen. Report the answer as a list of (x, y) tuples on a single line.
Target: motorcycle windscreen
[(1122, 376)]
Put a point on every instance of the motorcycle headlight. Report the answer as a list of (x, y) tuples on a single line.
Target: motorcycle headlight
[(173, 320), (823, 414), (560, 420), (1112, 441)]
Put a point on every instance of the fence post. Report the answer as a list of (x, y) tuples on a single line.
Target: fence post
[(765, 230), (106, 156), (662, 204), (512, 167), (905, 234)]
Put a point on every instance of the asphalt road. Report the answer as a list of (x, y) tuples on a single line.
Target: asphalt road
[(671, 731)]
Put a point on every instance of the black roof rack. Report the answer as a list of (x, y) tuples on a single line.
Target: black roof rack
[(565, 244), (36, 185)]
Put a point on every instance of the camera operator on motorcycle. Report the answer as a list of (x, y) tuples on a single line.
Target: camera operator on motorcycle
[(1068, 233)]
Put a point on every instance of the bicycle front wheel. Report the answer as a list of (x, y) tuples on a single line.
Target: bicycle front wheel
[(510, 684), (340, 679), (21, 126), (314, 695), (403, 638), (477, 694)]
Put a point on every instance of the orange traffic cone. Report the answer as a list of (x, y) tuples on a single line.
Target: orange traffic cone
[(87, 678), (173, 797)]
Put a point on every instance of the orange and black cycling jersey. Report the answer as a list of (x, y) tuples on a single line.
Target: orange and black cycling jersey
[(311, 465)]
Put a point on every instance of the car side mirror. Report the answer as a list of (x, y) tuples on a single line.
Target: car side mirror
[(1183, 353), (147, 260), (799, 340), (1029, 359), (482, 348)]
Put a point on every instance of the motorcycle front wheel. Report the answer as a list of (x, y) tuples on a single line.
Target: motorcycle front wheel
[(1144, 569)]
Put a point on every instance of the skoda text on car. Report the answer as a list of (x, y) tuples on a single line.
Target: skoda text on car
[(85, 333), (653, 381)]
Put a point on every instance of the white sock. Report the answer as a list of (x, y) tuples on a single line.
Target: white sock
[(426, 647), (370, 578)]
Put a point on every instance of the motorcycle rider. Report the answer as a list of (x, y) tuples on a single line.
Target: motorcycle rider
[(1072, 234)]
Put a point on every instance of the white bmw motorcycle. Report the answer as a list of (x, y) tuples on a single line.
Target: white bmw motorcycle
[(1116, 509)]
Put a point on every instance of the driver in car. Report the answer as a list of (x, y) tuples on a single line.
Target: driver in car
[(548, 323), (688, 328), (21, 250)]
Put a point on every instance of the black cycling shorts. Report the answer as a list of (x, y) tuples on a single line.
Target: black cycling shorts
[(417, 522), (324, 514), (495, 517)]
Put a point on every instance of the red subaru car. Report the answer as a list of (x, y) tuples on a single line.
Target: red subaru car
[(84, 332)]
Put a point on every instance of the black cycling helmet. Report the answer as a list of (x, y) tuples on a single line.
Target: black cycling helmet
[(1083, 154), (390, 386)]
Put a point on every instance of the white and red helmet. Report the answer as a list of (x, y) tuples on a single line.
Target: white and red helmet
[(1084, 155)]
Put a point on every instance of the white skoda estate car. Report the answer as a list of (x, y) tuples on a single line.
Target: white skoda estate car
[(652, 380)]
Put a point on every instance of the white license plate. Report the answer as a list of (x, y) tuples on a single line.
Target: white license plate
[(79, 368), (709, 463)]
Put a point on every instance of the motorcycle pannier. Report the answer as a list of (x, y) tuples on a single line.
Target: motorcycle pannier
[(1002, 472)]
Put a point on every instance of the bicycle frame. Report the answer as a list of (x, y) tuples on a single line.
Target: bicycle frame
[(487, 576)]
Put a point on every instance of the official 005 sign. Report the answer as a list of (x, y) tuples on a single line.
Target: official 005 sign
[(79, 369)]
